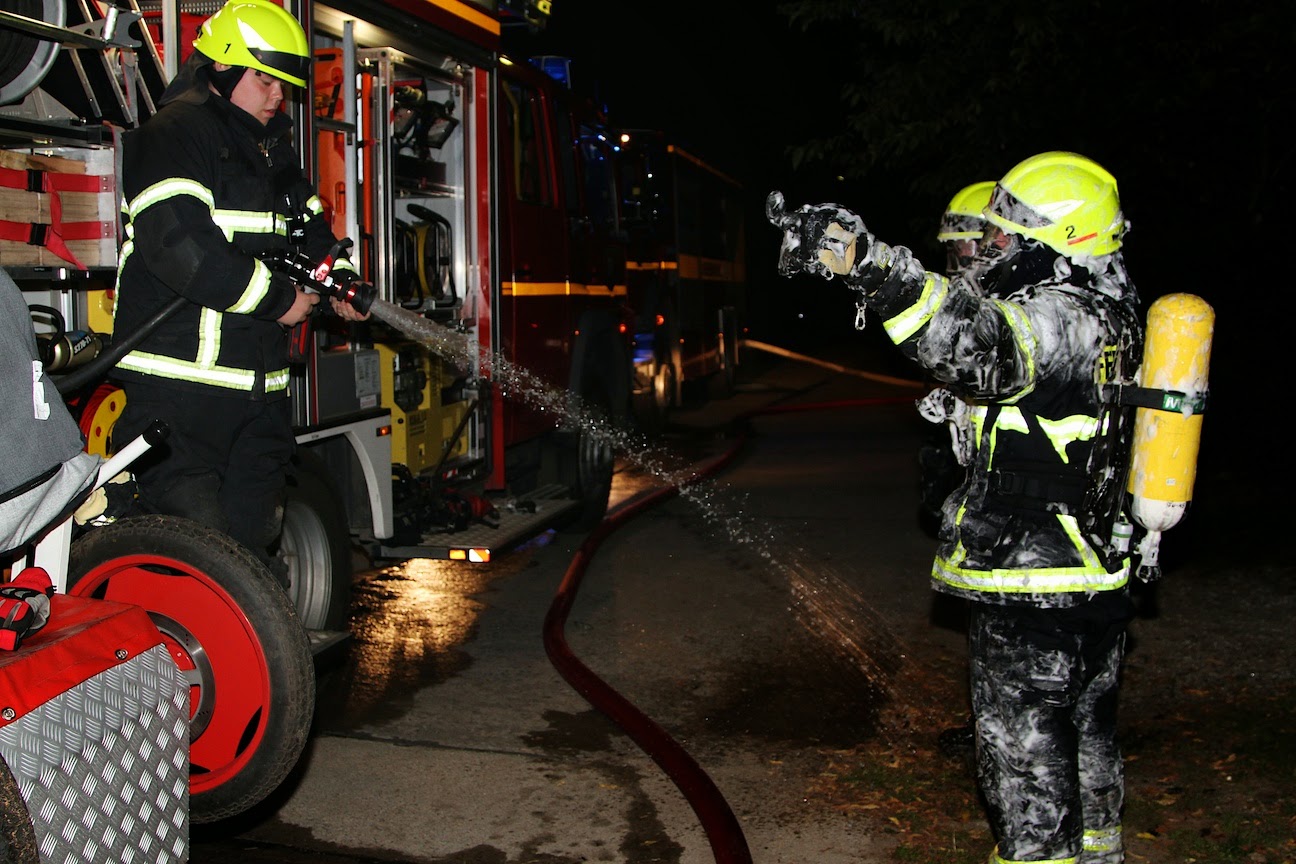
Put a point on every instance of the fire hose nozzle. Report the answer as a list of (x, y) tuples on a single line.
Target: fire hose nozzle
[(319, 278), (359, 294)]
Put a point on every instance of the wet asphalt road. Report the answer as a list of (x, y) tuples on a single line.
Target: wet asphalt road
[(758, 619)]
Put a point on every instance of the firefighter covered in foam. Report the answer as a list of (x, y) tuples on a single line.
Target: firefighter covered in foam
[(947, 447), (1040, 341), (945, 452)]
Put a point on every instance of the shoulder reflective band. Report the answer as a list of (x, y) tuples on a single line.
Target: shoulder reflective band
[(164, 189)]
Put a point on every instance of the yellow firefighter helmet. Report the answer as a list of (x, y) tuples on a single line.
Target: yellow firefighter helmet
[(963, 218), (1064, 200), (257, 34)]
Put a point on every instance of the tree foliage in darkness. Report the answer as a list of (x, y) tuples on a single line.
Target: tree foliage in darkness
[(1185, 103)]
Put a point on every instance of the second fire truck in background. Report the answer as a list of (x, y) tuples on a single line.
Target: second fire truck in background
[(686, 273)]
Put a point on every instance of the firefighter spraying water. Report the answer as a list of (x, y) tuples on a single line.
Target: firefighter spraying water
[(481, 405)]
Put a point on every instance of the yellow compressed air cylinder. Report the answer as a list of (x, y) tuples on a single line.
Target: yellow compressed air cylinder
[(1176, 359)]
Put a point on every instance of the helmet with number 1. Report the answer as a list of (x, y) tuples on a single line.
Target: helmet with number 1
[(1063, 200), (257, 34)]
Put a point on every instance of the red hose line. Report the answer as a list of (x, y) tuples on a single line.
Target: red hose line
[(728, 844)]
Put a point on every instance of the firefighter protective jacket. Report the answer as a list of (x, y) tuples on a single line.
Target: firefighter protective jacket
[(1030, 350), (206, 188)]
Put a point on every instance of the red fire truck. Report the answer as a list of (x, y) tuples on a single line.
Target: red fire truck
[(686, 274), (480, 197)]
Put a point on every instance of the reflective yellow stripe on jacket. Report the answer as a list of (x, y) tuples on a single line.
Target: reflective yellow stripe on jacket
[(1090, 575), (165, 189), (203, 368), (215, 376), (905, 324), (249, 222), (1024, 336), (1060, 433)]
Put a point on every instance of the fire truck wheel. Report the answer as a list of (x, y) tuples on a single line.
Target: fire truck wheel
[(316, 544), (723, 383), (234, 634), (653, 407), (586, 459)]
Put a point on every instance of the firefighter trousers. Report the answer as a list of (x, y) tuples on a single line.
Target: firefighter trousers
[(223, 465), (1044, 690)]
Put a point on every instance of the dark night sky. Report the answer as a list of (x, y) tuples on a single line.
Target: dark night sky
[(707, 71), (730, 81)]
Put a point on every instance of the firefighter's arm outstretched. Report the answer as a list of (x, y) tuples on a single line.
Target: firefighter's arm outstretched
[(982, 348)]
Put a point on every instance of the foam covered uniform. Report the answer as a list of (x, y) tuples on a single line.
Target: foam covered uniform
[(207, 187), (1028, 349), (940, 470)]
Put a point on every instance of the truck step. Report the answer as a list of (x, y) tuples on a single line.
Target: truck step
[(520, 519)]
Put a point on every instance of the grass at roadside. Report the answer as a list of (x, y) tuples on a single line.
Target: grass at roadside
[(1209, 780)]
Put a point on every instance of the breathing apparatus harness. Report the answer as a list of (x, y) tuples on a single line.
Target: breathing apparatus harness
[(1094, 493)]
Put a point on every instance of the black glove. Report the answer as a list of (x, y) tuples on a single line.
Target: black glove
[(824, 239)]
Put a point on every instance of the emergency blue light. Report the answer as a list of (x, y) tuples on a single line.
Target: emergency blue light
[(557, 68)]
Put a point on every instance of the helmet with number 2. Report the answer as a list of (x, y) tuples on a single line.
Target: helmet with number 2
[(1064, 200), (257, 34)]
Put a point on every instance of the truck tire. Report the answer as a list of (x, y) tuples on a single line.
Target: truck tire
[(316, 544), (723, 383), (234, 634), (587, 457), (652, 408)]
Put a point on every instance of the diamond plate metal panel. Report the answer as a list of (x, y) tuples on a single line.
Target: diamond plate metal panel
[(104, 766)]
